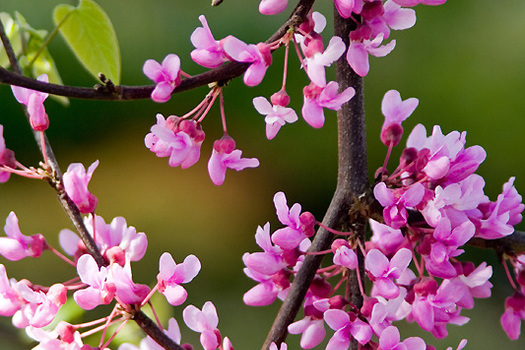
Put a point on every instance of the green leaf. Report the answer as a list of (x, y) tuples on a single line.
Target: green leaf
[(12, 31), (44, 63), (88, 31)]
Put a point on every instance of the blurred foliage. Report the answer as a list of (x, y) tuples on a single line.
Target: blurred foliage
[(463, 60)]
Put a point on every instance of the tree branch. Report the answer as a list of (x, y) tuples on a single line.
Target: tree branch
[(222, 74), (352, 181)]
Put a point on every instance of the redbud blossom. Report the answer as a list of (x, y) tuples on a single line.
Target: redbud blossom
[(390, 340), (317, 59), (276, 116), (357, 54), (395, 111), (283, 346), (346, 7), (34, 100), (272, 7), (258, 55), (166, 75), (7, 157), (101, 288), (204, 322), (224, 156), (172, 275), (127, 291), (316, 98), (383, 272), (16, 245), (76, 181), (9, 299), (148, 343), (346, 329), (514, 314), (39, 308), (208, 51)]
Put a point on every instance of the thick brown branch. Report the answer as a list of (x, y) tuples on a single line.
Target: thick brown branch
[(223, 73), (511, 245), (352, 181)]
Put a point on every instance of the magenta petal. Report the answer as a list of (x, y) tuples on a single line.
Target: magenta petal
[(216, 168), (171, 66), (511, 323), (376, 263), (162, 92), (255, 74), (261, 295), (153, 70), (361, 331), (88, 298), (336, 319), (272, 7), (389, 338), (288, 238), (357, 57), (313, 335)]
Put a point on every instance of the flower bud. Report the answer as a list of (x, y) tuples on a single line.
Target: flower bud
[(266, 53), (372, 9), (225, 145), (280, 98), (172, 123)]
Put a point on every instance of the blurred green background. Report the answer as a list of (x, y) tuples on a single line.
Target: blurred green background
[(465, 61)]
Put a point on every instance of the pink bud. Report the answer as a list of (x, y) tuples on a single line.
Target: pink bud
[(391, 134), (307, 223), (66, 331), (320, 288), (314, 45), (426, 286), (266, 53), (337, 302), (280, 98), (225, 145), (372, 9), (172, 123)]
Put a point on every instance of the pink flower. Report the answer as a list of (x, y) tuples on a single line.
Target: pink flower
[(272, 7), (171, 275), (357, 54), (390, 340), (76, 181), (166, 75), (34, 100), (101, 288), (204, 322), (344, 255), (224, 156), (395, 111), (346, 329), (396, 201), (385, 238), (16, 245), (268, 262), (283, 346), (514, 314), (317, 59), (312, 330), (383, 272), (127, 291), (40, 308), (50, 340), (177, 138), (7, 158), (208, 51), (276, 116), (346, 7), (9, 299), (258, 55), (117, 241), (316, 98)]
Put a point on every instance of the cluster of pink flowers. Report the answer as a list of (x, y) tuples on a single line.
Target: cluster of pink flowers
[(433, 204)]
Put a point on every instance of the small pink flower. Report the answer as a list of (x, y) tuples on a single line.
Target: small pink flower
[(76, 181), (395, 111), (166, 75), (276, 116), (316, 98), (390, 340), (172, 275), (34, 100), (204, 322), (100, 288), (272, 7), (9, 299), (224, 156), (208, 51), (258, 55), (346, 329), (127, 291), (40, 308), (383, 272), (346, 7), (357, 54), (514, 314), (7, 158), (16, 245), (317, 60)]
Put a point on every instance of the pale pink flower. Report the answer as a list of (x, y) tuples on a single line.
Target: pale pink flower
[(34, 100), (316, 98), (172, 275), (127, 291), (258, 55), (346, 329), (10, 302), (48, 340), (275, 116), (39, 308), (16, 245), (272, 7), (317, 60), (208, 51), (395, 111), (390, 340), (346, 7), (224, 156), (357, 54), (176, 138), (396, 201), (283, 346), (343, 254), (76, 181), (101, 288), (514, 314), (204, 322), (268, 262), (7, 158), (166, 75), (383, 271), (312, 330)]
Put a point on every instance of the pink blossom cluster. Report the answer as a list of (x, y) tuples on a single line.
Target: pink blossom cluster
[(433, 204)]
